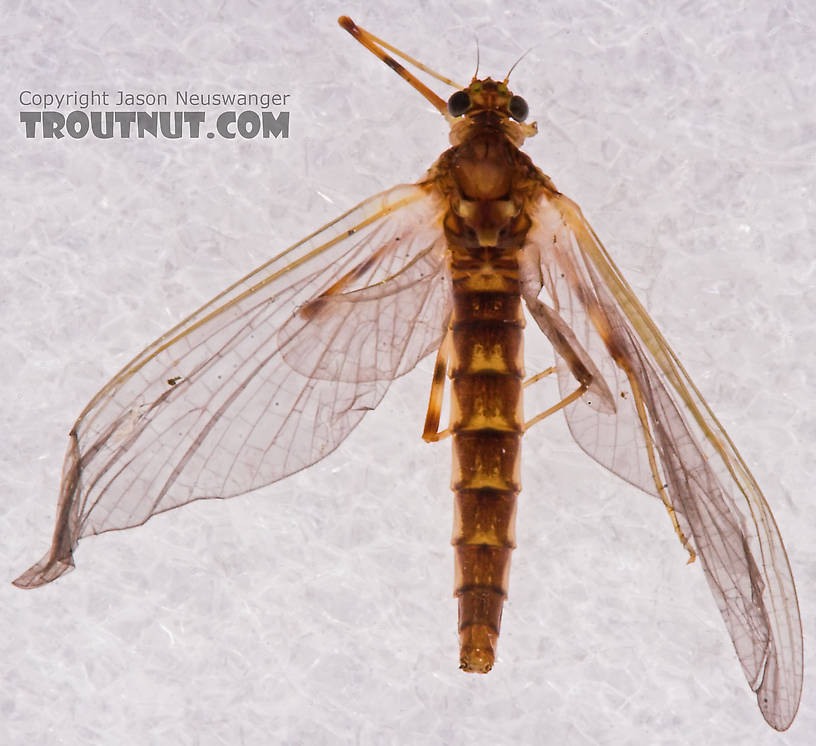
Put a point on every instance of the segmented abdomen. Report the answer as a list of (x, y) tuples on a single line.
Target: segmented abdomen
[(486, 425)]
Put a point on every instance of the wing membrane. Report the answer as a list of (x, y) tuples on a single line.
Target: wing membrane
[(248, 390), (718, 504)]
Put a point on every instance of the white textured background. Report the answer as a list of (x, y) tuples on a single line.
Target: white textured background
[(319, 610)]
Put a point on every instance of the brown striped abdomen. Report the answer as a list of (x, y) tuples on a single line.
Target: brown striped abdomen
[(486, 426)]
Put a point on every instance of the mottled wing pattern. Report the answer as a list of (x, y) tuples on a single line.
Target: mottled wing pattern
[(718, 504), (264, 380)]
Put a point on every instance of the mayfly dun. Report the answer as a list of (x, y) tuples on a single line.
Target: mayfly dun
[(271, 375)]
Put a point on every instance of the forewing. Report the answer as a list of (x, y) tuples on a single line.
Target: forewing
[(265, 379), (718, 503)]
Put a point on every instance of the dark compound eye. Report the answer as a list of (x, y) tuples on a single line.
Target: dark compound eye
[(518, 108), (458, 103)]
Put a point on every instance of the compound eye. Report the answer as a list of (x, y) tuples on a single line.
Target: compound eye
[(458, 103), (517, 107)]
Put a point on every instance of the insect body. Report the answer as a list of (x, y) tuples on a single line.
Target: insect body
[(487, 183), (271, 375)]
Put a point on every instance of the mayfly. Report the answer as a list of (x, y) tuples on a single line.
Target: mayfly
[(270, 376)]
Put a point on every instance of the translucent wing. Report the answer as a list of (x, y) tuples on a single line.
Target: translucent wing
[(661, 436), (265, 379)]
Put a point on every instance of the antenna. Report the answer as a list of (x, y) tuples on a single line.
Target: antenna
[(524, 54)]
